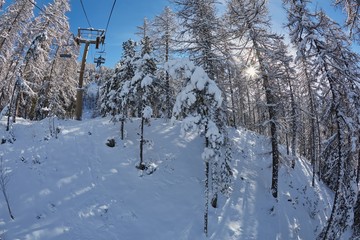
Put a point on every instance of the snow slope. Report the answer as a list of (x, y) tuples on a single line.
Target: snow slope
[(76, 187)]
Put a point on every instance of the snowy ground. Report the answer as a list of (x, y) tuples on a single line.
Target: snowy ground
[(76, 187)]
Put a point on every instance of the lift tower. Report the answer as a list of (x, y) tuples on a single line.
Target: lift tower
[(87, 36)]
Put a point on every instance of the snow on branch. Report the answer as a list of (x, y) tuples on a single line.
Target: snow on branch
[(197, 85)]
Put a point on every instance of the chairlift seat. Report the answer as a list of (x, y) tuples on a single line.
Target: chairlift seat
[(99, 58), (65, 55)]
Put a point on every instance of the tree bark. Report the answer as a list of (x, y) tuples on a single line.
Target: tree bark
[(122, 128), (8, 205), (141, 165), (206, 210), (270, 100), (356, 226)]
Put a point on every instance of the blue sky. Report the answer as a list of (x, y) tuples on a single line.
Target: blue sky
[(128, 14)]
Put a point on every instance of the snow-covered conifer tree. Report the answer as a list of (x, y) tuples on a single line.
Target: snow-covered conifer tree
[(43, 70), (14, 23), (351, 8), (163, 31), (301, 24), (198, 104), (139, 93), (251, 24), (199, 36), (113, 100), (340, 69), (325, 49)]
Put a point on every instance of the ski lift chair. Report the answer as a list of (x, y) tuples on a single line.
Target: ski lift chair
[(64, 51), (99, 58), (65, 55)]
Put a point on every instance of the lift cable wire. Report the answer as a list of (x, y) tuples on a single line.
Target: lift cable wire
[(87, 19), (112, 9)]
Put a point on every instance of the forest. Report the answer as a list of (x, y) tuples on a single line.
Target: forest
[(212, 70)]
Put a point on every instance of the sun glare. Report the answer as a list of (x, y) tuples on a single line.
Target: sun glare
[(251, 72)]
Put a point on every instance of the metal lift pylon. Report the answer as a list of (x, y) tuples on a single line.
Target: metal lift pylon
[(87, 36)]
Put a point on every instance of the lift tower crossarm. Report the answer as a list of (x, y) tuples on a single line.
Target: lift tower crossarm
[(87, 36)]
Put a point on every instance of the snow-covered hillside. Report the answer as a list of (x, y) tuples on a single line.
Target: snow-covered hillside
[(74, 186)]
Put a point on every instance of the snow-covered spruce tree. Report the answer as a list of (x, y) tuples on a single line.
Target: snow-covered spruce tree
[(163, 31), (198, 105), (198, 35), (251, 24), (202, 37), (113, 101), (138, 94)]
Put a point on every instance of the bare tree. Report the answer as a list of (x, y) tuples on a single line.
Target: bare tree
[(251, 25), (4, 180), (163, 31)]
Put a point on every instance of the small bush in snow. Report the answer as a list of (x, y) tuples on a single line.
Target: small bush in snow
[(110, 142)]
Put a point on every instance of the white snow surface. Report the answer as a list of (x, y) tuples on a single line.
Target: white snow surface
[(147, 81), (76, 187)]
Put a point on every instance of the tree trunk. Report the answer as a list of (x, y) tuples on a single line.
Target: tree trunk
[(122, 128), (338, 192), (270, 101), (11, 105), (294, 120), (207, 193), (275, 150), (167, 80), (234, 123), (8, 204), (358, 169), (312, 144), (312, 133), (206, 210), (141, 165), (356, 226)]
